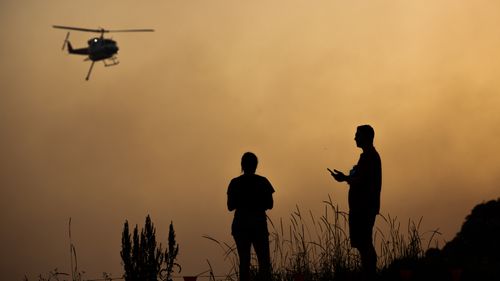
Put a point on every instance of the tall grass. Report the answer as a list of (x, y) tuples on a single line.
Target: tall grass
[(318, 248), (396, 245), (76, 274), (314, 248)]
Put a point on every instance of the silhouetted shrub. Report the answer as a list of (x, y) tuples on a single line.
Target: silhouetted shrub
[(171, 255), (143, 259)]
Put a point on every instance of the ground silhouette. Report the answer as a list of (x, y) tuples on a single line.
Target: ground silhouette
[(474, 253)]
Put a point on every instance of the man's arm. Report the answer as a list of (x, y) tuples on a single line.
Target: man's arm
[(338, 175)]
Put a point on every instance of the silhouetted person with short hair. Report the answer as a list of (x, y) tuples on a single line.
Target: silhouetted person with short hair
[(365, 182), (250, 195)]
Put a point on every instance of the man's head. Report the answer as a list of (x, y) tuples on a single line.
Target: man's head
[(364, 136), (249, 163)]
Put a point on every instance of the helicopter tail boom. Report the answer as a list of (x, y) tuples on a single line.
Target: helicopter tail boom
[(82, 51)]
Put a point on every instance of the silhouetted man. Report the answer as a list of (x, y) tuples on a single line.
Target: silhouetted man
[(251, 195), (365, 182)]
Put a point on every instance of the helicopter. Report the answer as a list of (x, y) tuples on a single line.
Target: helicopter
[(99, 48)]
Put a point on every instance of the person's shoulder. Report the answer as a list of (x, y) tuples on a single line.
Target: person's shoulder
[(260, 178), (234, 185), (236, 179), (265, 182), (234, 182)]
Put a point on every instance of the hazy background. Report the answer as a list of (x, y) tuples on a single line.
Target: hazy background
[(163, 132)]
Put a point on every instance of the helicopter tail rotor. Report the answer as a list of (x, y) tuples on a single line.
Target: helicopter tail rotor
[(65, 41)]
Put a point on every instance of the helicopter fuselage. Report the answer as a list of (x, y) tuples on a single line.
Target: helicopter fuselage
[(98, 49)]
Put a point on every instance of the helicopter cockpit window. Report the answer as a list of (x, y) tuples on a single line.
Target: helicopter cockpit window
[(93, 41)]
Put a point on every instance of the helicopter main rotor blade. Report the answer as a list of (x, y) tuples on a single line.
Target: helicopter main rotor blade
[(101, 30), (131, 30), (80, 29)]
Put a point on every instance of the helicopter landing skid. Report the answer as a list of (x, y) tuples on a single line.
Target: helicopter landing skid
[(90, 70), (113, 62)]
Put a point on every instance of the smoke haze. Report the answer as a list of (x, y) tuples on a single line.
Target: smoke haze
[(163, 132)]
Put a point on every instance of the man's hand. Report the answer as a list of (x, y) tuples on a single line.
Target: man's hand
[(338, 175)]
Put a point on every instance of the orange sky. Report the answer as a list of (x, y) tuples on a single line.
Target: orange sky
[(163, 132)]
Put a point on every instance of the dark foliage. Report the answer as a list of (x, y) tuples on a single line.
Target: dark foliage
[(474, 254), (479, 236), (476, 248)]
